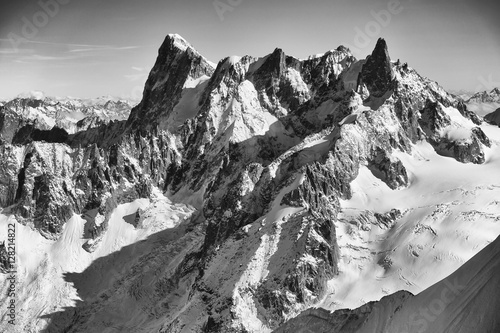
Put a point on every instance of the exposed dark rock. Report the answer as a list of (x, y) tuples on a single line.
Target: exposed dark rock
[(433, 119), (176, 62), (29, 133), (388, 169), (465, 152), (5, 264), (469, 150), (50, 214), (22, 176), (377, 72), (493, 117), (462, 108), (387, 220), (89, 122), (319, 192), (408, 113)]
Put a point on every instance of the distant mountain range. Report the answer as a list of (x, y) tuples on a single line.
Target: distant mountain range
[(484, 102), (70, 114), (492, 96)]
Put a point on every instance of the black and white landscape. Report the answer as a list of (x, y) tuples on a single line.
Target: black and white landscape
[(256, 194)]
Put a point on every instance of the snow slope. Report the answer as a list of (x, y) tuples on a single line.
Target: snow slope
[(45, 267), (449, 213), (464, 302)]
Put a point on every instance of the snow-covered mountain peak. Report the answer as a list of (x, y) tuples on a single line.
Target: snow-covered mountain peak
[(486, 96), (179, 42), (484, 102), (176, 43), (283, 184), (69, 114)]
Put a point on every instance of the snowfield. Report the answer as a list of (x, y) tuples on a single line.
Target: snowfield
[(44, 267), (449, 213)]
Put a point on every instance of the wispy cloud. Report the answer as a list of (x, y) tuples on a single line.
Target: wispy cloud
[(43, 58), (79, 47), (11, 51), (143, 74), (28, 41), (135, 77), (105, 48)]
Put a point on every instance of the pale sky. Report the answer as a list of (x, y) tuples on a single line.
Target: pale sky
[(90, 48)]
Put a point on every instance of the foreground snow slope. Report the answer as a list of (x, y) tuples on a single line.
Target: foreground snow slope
[(464, 302), (46, 270)]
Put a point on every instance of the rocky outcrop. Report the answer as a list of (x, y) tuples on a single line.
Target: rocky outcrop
[(389, 169), (493, 118), (365, 220), (5, 266), (462, 108), (464, 144), (377, 73)]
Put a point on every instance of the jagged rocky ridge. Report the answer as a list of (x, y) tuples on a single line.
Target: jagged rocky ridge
[(486, 97), (484, 102), (269, 144)]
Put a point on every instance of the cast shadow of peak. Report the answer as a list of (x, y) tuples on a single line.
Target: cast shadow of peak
[(105, 274)]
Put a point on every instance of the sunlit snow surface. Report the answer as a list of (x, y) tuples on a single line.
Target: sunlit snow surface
[(41, 263), (450, 212)]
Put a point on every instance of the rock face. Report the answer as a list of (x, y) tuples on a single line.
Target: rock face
[(178, 65), (4, 259), (377, 73), (465, 144), (493, 118), (267, 146)]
